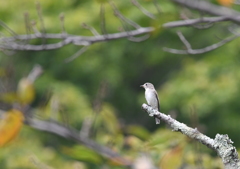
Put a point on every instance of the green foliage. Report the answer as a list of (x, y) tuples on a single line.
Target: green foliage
[(83, 154), (202, 90)]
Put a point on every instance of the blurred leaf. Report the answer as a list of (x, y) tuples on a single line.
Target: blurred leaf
[(133, 142), (66, 102), (83, 154), (173, 158), (25, 91), (108, 119), (227, 3), (117, 161), (138, 131), (10, 126), (9, 97)]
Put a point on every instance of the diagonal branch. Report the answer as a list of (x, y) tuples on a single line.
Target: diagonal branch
[(192, 22), (221, 144), (71, 134), (141, 8), (121, 17), (184, 40), (157, 6), (77, 54), (90, 28), (205, 6)]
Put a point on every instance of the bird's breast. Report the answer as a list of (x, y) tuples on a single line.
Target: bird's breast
[(151, 98)]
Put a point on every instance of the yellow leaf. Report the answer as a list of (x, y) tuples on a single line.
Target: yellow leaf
[(133, 142), (10, 97), (227, 3), (25, 91), (10, 126)]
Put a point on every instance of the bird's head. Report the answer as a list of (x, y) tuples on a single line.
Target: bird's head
[(147, 86)]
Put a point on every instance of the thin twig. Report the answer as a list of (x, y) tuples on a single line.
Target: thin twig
[(62, 17), (184, 40), (207, 7), (191, 22), (121, 17), (8, 29), (77, 54), (103, 20), (43, 30), (35, 73), (142, 9), (203, 50), (139, 39), (90, 28), (203, 26), (157, 6), (39, 11), (27, 24), (34, 28)]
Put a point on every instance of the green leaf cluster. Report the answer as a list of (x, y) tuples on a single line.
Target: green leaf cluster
[(201, 90)]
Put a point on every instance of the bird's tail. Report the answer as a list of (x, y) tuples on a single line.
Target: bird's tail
[(157, 120)]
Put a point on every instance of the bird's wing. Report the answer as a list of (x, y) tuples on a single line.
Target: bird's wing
[(157, 100)]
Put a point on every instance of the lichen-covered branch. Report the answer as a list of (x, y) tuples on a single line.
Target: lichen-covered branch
[(222, 144)]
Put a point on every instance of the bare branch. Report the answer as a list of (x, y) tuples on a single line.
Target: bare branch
[(221, 144), (27, 24), (203, 50), (8, 29), (157, 6), (94, 32), (39, 11), (237, 2), (233, 30), (15, 42), (71, 134), (10, 43), (139, 39), (43, 30), (34, 27), (184, 40), (205, 6), (103, 20), (144, 11), (62, 17), (191, 22), (77, 54), (35, 73), (205, 26), (121, 17)]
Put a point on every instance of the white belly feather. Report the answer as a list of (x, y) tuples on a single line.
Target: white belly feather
[(151, 98)]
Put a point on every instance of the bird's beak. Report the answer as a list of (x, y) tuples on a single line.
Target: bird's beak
[(141, 86)]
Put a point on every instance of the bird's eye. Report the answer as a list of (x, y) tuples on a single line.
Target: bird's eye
[(146, 84)]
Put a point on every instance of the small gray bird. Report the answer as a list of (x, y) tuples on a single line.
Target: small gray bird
[(152, 97)]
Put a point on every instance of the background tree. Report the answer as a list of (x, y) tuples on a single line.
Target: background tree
[(94, 87)]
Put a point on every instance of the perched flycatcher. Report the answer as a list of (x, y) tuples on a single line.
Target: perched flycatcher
[(152, 98)]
